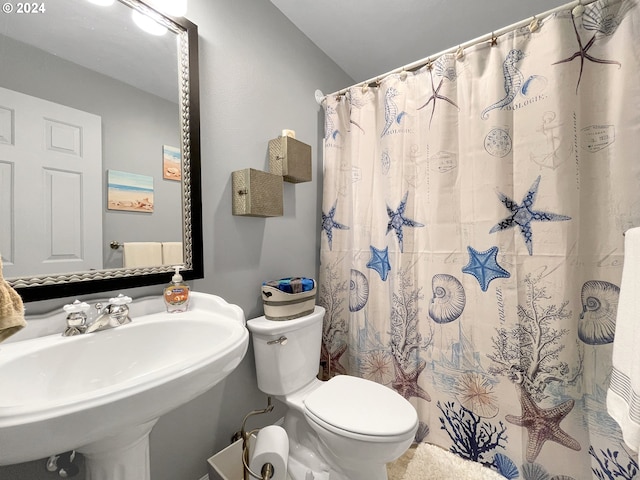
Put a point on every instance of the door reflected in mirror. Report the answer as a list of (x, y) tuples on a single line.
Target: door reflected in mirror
[(86, 93)]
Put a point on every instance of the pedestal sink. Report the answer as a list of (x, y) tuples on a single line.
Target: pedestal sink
[(101, 393)]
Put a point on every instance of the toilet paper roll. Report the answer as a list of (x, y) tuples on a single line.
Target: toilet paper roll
[(271, 446)]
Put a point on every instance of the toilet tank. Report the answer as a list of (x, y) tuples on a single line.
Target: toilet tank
[(284, 366)]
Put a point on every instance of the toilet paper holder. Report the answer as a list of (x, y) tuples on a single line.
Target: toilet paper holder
[(267, 469)]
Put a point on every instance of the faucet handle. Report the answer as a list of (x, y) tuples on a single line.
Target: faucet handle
[(120, 300), (118, 309), (76, 307), (76, 318)]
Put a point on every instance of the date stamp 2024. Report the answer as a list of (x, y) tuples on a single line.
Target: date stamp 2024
[(24, 7)]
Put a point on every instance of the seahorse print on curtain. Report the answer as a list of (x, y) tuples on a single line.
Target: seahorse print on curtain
[(392, 114), (512, 81)]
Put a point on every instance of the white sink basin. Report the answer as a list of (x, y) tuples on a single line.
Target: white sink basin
[(101, 392)]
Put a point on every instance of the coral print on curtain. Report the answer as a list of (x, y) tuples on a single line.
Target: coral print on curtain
[(472, 240)]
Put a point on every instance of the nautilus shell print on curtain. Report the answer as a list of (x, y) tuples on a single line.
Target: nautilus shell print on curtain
[(448, 299), (358, 291), (597, 324)]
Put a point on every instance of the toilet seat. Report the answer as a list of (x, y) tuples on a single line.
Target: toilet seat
[(357, 408)]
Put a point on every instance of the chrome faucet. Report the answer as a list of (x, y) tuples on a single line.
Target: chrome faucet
[(114, 314)]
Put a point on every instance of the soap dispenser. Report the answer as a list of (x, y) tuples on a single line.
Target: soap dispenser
[(176, 294)]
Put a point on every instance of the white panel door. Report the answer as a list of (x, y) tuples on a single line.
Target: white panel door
[(51, 174), (6, 212)]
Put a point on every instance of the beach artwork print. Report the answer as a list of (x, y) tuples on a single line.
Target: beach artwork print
[(129, 191), (171, 167)]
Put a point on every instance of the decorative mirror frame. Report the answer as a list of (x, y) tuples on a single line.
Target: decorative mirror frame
[(45, 287)]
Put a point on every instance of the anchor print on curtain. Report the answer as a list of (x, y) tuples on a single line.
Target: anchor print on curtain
[(472, 240)]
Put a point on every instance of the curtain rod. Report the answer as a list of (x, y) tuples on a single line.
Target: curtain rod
[(490, 37)]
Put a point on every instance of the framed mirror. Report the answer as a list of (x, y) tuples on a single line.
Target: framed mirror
[(90, 106)]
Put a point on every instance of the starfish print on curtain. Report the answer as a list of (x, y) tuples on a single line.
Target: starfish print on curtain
[(379, 261), (397, 220), (542, 424), (522, 215), (406, 381), (444, 68), (484, 266), (603, 20), (330, 363), (328, 224)]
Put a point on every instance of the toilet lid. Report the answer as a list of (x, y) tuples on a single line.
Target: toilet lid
[(361, 406)]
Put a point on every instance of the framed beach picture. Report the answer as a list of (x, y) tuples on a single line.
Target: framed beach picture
[(171, 163), (129, 191)]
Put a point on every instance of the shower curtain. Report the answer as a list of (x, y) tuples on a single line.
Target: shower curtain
[(472, 239)]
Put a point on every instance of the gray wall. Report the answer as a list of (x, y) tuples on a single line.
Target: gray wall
[(135, 125), (258, 75)]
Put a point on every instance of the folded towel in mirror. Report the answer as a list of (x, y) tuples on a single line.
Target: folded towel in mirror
[(172, 253), (142, 254), (11, 309)]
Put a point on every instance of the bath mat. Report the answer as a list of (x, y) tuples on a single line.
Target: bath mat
[(431, 462)]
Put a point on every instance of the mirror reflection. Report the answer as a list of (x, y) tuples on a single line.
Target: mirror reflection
[(91, 144)]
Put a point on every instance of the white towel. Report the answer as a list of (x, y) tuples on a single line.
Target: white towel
[(142, 254), (623, 396), (172, 253)]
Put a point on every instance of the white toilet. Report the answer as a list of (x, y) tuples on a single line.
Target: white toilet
[(346, 428)]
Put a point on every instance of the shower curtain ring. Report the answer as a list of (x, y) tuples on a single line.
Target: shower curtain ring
[(429, 64), (534, 25), (578, 10), (459, 53), (493, 41), (403, 75)]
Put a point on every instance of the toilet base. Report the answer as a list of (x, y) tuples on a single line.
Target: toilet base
[(309, 459), (298, 471)]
